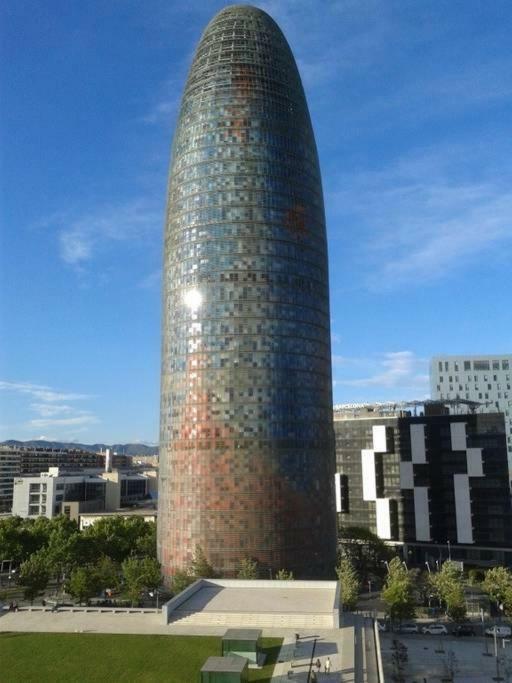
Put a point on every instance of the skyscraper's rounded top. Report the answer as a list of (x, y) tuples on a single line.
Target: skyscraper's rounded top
[(244, 57)]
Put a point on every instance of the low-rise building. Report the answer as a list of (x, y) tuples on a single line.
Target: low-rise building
[(71, 493), (87, 519)]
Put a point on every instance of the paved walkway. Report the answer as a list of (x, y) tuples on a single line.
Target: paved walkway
[(297, 658)]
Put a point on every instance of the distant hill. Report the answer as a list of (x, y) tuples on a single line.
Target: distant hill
[(124, 448)]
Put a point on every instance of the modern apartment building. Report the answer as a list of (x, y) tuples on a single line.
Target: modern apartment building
[(486, 379), (15, 461), (246, 435), (59, 492), (10, 467), (435, 484)]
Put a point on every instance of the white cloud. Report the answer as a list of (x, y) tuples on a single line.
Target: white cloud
[(81, 238), (75, 246), (41, 392), (388, 376), (166, 109), (395, 369), (50, 408), (420, 219), (63, 422)]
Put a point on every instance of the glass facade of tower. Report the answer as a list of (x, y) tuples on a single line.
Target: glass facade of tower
[(246, 434)]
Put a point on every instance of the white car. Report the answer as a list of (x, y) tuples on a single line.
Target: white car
[(501, 631), (408, 628), (435, 630)]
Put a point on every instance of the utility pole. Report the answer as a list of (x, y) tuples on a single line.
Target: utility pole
[(497, 677)]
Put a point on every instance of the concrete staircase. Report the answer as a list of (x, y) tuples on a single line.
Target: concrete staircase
[(248, 619)]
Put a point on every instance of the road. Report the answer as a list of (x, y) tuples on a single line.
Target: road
[(432, 657)]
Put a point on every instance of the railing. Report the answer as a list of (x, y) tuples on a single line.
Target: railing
[(77, 608)]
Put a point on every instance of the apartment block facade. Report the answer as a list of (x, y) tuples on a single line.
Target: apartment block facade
[(427, 482)]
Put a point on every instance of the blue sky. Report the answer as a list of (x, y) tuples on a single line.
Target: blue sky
[(411, 104)]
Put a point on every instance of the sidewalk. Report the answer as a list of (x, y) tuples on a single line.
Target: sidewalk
[(297, 658)]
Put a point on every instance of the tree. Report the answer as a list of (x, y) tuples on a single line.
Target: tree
[(108, 573), (247, 569), (398, 593), (83, 583), (146, 542), (181, 580), (283, 575), (200, 568), (349, 583), (140, 574), (366, 551), (34, 575), (60, 548), (118, 537), (20, 538), (447, 585), (498, 585)]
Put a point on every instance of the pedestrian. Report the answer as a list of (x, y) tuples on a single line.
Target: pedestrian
[(318, 664), (313, 677), (327, 665)]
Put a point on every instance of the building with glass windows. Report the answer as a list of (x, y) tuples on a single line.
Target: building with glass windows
[(246, 432), (434, 484), (486, 379)]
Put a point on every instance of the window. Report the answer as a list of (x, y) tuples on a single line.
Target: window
[(495, 365), (34, 487), (467, 365), (481, 365), (504, 365), (456, 366), (446, 366), (440, 366)]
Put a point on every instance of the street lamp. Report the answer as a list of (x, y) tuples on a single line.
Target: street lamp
[(154, 593)]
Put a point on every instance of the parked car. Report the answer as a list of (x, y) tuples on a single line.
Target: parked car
[(435, 630), (465, 630), (408, 628), (501, 631)]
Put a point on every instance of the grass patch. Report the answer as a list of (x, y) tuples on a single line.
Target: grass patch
[(95, 657), (271, 647)]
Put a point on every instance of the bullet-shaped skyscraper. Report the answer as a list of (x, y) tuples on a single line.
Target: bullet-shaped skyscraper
[(246, 429)]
